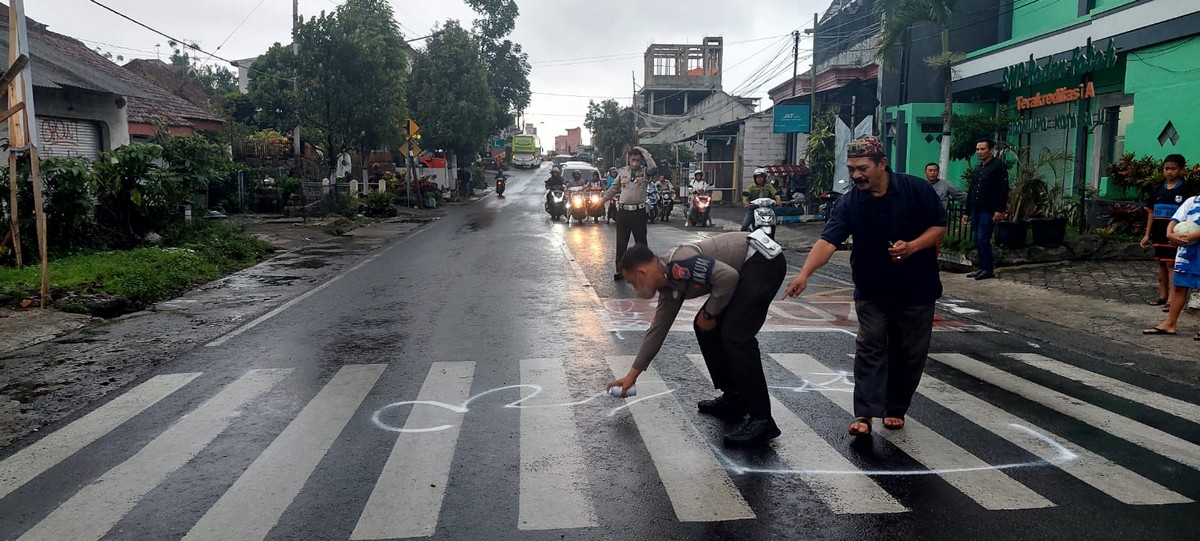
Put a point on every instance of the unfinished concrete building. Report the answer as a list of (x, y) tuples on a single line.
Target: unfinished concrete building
[(678, 77)]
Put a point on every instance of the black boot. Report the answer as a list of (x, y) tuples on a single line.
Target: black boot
[(754, 432), (723, 407)]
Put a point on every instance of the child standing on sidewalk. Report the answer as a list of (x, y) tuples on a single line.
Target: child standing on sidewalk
[(1159, 209), (1187, 266)]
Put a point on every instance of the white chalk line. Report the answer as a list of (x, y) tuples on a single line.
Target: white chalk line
[(263, 318), (1064, 455), (463, 408)]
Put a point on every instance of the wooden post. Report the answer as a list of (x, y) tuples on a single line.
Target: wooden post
[(15, 226), (24, 136)]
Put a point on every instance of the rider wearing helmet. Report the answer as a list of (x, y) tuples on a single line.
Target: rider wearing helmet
[(760, 188), (612, 177), (577, 179), (556, 179), (698, 183)]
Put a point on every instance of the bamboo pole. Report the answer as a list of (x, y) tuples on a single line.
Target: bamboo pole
[(13, 211), (35, 177)]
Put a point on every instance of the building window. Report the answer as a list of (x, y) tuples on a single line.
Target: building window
[(695, 65), (664, 66), (1118, 120)]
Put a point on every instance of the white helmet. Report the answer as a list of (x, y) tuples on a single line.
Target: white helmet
[(698, 172), (760, 171), (555, 170)]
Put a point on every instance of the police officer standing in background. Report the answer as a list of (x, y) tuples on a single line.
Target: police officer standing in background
[(631, 208)]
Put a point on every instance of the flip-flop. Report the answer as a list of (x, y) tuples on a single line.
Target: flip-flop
[(861, 420), (1158, 302), (893, 426), (1157, 331)]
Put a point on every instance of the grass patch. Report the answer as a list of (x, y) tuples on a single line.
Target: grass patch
[(194, 255)]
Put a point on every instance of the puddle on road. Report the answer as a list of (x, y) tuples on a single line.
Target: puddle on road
[(299, 263), (255, 281)]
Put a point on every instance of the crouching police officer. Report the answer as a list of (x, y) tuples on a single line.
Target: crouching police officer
[(740, 273)]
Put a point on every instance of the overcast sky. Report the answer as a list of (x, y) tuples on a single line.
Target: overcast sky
[(577, 48)]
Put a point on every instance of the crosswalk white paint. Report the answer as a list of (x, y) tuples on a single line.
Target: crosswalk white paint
[(407, 497), (699, 487), (253, 505), (805, 451), (92, 511), (44, 454), (1111, 386), (1142, 435), (1097, 471), (554, 485), (991, 488)]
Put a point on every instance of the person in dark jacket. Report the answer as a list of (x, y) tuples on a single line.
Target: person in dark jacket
[(896, 221), (987, 200)]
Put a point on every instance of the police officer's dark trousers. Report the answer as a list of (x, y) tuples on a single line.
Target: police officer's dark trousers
[(731, 349), (889, 356), (630, 221)]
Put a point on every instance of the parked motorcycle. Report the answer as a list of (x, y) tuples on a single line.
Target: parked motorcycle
[(577, 204), (698, 211), (764, 214), (501, 180), (651, 204), (595, 203), (557, 205), (827, 200)]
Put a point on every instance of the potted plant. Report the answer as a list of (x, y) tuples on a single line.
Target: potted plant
[(1050, 226), (1025, 194)]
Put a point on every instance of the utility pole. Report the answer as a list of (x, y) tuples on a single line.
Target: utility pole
[(633, 75), (296, 146), (795, 59), (812, 90)]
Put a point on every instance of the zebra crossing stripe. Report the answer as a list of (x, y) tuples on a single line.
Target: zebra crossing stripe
[(1097, 471), (253, 505), (1142, 435), (803, 450), (1174, 406), (991, 488), (47, 452), (554, 485), (407, 497), (93, 511), (699, 487)]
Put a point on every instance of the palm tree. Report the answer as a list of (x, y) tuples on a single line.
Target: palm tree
[(898, 16)]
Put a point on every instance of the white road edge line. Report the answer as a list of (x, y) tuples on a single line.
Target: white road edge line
[(260, 319)]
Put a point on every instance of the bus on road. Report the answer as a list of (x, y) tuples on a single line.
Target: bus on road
[(527, 151)]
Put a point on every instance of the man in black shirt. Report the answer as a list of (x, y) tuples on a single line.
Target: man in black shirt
[(987, 200), (896, 221)]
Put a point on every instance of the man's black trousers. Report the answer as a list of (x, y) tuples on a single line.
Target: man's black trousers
[(889, 357), (731, 350), (630, 221)]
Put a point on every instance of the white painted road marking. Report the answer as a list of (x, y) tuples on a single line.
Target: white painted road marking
[(1097, 471), (1111, 386), (93, 511), (407, 498), (253, 505), (1137, 433), (699, 487), (805, 451), (47, 452), (554, 480), (991, 488)]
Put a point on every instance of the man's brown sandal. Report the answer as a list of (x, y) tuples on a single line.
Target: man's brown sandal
[(896, 423), (864, 421)]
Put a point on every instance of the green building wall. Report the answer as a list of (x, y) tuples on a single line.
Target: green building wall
[(918, 152), (1164, 81)]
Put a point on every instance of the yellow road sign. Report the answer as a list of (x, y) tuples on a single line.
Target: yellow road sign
[(410, 146), (413, 128)]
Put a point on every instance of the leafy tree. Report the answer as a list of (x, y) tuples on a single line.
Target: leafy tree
[(450, 96), (898, 17), (611, 128), (216, 80), (270, 89), (507, 65)]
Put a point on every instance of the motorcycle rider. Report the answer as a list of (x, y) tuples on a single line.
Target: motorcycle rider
[(612, 177), (760, 188), (577, 179), (596, 182), (556, 180), (664, 186), (698, 183)]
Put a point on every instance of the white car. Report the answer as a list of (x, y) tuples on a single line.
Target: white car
[(586, 170)]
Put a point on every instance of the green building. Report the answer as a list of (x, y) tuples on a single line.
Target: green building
[(1093, 78)]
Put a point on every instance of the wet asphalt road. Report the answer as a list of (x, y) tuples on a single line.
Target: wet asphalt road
[(302, 426)]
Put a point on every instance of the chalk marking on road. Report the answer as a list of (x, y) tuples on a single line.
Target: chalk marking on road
[(47, 452), (253, 505), (553, 479), (1142, 435), (1174, 406), (280, 309), (987, 485), (803, 450), (97, 507), (407, 497), (696, 482), (463, 408), (1102, 474)]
